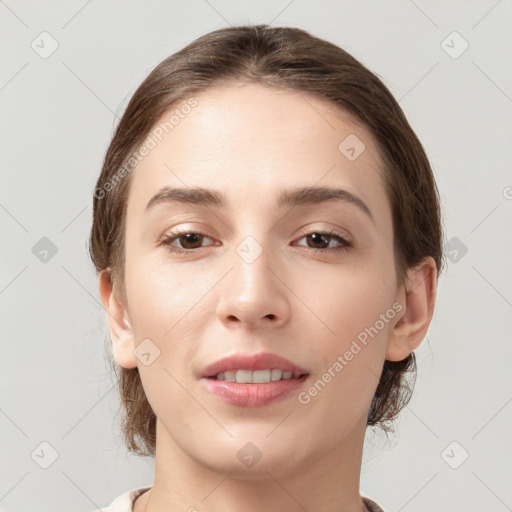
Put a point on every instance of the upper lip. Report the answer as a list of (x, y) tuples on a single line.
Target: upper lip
[(261, 361)]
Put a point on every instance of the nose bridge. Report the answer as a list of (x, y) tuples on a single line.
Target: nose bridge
[(252, 260), (255, 247), (253, 292)]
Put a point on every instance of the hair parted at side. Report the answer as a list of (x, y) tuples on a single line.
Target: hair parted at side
[(293, 59)]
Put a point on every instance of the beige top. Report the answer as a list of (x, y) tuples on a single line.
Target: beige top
[(124, 503)]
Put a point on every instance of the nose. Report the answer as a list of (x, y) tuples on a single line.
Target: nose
[(254, 294)]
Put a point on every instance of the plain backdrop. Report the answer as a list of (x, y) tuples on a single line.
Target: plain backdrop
[(67, 72)]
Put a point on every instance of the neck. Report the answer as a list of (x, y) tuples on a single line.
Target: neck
[(327, 482)]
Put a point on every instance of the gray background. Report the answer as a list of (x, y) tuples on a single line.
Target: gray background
[(58, 114)]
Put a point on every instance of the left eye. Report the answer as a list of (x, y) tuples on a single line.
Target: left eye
[(318, 237), (193, 238)]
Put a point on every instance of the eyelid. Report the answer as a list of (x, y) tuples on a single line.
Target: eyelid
[(331, 230), (336, 231), (345, 244)]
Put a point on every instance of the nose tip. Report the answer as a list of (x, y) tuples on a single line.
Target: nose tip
[(245, 318), (253, 295)]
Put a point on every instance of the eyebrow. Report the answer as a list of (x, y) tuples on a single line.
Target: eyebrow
[(287, 197)]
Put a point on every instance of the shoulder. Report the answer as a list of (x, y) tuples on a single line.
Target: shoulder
[(371, 505), (123, 503)]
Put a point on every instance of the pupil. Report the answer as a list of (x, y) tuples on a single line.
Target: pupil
[(319, 236), (191, 238)]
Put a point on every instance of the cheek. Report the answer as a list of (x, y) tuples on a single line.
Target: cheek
[(355, 320), (161, 294), (170, 306), (347, 300), (342, 389)]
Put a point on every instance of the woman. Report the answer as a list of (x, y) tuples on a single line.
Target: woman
[(268, 239)]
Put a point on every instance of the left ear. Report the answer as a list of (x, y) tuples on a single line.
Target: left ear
[(417, 296)]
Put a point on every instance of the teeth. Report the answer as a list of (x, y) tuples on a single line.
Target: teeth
[(276, 374), (244, 376), (256, 377)]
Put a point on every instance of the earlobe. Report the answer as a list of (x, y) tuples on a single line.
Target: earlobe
[(121, 332), (418, 300)]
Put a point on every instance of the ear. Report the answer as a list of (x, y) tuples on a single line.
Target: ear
[(121, 333), (417, 297)]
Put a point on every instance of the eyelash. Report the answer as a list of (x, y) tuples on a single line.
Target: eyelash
[(168, 240)]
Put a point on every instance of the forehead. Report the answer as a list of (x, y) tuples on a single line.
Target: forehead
[(251, 141)]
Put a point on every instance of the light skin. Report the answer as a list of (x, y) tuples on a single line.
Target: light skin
[(249, 142)]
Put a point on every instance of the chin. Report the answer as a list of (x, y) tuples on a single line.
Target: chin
[(253, 460), (259, 471)]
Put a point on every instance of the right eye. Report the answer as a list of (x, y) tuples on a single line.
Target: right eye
[(187, 238)]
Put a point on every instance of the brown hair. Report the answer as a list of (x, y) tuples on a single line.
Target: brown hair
[(292, 59)]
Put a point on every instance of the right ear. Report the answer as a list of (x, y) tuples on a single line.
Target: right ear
[(121, 333)]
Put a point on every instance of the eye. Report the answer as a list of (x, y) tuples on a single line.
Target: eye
[(191, 240), (186, 238), (322, 238)]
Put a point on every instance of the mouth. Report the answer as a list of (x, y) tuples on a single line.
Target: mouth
[(253, 369), (253, 380), (253, 394), (257, 376)]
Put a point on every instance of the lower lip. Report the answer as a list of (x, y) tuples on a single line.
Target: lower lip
[(253, 395)]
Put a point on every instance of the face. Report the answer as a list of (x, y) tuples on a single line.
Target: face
[(256, 275)]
